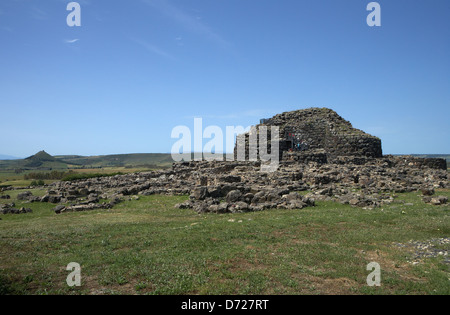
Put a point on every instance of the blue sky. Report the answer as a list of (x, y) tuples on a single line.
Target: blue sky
[(135, 69)]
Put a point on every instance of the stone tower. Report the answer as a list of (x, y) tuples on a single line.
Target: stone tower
[(319, 134)]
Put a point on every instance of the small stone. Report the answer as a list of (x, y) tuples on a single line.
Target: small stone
[(233, 196), (59, 209)]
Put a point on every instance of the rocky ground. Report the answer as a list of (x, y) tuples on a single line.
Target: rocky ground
[(222, 187), (427, 249)]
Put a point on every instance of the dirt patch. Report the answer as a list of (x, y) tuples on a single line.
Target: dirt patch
[(326, 286), (94, 288), (402, 269), (239, 265)]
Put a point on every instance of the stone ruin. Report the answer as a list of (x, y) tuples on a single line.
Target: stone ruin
[(321, 135), (322, 158), (316, 134)]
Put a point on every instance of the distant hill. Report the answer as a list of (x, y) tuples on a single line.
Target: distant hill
[(44, 161), (41, 156), (39, 159)]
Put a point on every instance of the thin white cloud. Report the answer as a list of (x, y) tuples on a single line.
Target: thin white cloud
[(189, 22), (179, 41), (38, 14), (71, 41), (152, 48)]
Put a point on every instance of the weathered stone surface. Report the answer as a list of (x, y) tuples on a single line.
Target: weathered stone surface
[(24, 196), (59, 208), (54, 199), (200, 193), (427, 191), (34, 199), (9, 209), (317, 135), (439, 200), (233, 196)]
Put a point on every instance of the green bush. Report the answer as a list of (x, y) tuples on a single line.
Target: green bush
[(37, 183)]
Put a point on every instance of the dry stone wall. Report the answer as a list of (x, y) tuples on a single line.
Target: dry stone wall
[(309, 130)]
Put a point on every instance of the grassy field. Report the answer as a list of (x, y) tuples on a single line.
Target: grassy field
[(149, 247), (9, 178), (118, 160)]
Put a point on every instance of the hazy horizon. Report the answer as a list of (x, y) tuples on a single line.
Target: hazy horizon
[(94, 155)]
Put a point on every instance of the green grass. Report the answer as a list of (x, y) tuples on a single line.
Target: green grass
[(152, 160), (149, 247), (9, 178)]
